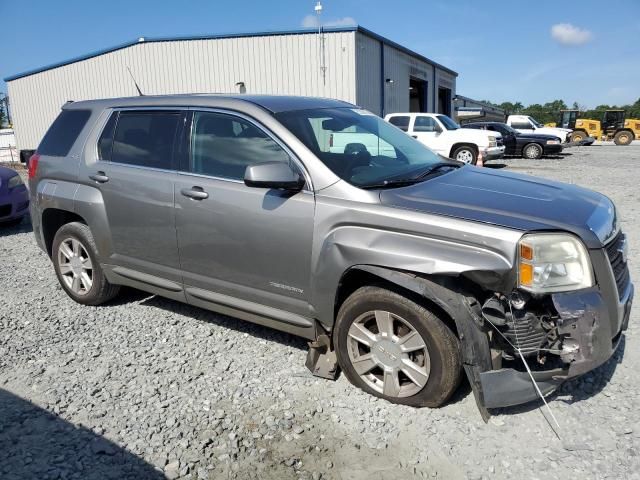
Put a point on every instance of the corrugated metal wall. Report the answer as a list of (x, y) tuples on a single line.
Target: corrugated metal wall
[(399, 66), (368, 77), (278, 64)]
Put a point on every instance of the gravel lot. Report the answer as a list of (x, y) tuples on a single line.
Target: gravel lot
[(148, 388)]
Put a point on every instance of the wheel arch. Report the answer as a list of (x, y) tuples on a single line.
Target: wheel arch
[(455, 146), (52, 220), (454, 298), (414, 285)]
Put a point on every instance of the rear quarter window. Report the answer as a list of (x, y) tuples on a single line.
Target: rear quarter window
[(63, 132)]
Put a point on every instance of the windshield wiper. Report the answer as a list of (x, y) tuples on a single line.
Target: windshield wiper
[(403, 182), (435, 167), (390, 184)]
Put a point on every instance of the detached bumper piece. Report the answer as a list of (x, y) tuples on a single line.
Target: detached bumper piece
[(589, 335)]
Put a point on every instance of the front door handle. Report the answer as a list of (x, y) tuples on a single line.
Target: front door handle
[(99, 177), (196, 193), (414, 136)]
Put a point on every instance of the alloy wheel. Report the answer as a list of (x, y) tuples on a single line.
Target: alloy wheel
[(465, 156), (532, 152), (389, 354), (75, 266)]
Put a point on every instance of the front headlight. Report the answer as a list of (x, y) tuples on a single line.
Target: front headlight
[(14, 182), (553, 142), (553, 262), (492, 141)]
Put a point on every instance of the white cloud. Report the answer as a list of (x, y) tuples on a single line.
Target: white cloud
[(567, 34), (311, 21)]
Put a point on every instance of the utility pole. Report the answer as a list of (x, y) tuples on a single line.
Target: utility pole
[(323, 66)]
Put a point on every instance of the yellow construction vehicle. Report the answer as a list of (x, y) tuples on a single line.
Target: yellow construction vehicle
[(614, 126)]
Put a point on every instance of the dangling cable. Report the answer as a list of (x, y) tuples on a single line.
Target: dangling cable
[(526, 365)]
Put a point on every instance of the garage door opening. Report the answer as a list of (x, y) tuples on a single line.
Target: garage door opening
[(417, 95), (444, 101)]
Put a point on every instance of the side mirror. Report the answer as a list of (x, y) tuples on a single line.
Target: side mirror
[(277, 175), (437, 128)]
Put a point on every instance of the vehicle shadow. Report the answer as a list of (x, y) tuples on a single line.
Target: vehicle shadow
[(495, 165), (35, 443), (24, 226), (576, 389), (253, 329)]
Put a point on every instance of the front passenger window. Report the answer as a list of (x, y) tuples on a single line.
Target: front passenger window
[(223, 146), (424, 124)]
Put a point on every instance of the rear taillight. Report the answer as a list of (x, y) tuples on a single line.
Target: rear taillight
[(331, 140), (32, 165)]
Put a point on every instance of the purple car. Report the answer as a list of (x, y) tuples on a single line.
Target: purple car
[(14, 197)]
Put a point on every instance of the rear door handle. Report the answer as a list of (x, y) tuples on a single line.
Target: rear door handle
[(99, 177), (196, 193)]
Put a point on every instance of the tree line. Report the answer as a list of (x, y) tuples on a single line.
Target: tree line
[(549, 112)]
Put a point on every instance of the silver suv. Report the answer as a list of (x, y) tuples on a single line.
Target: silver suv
[(401, 267)]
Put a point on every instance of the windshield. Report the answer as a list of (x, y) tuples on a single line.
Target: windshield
[(447, 122), (535, 122), (510, 130), (357, 145)]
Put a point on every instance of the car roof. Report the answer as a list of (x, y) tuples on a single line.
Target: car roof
[(272, 103)]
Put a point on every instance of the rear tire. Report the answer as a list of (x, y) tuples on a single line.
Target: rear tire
[(412, 358), (75, 260), (623, 138), (532, 151), (465, 154)]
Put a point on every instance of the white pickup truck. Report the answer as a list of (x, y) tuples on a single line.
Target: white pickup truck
[(528, 124), (446, 137)]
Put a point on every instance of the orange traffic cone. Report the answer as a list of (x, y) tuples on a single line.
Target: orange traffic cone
[(480, 161)]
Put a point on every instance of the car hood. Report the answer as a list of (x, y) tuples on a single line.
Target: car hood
[(473, 134), (511, 200), (558, 132)]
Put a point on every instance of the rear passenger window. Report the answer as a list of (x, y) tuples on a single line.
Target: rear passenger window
[(401, 122), (224, 145), (146, 139), (63, 132)]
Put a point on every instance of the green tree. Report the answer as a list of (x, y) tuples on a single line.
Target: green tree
[(3, 113)]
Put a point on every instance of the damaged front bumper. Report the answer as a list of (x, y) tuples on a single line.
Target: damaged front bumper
[(591, 330)]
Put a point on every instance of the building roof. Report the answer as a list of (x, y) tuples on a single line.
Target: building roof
[(355, 28)]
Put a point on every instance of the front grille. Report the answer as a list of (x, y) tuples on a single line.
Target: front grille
[(5, 210), (615, 249)]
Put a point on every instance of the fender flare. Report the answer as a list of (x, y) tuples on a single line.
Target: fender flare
[(449, 294)]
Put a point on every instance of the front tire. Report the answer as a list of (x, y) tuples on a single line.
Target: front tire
[(623, 138), (394, 348), (466, 154), (75, 261), (532, 151), (578, 136)]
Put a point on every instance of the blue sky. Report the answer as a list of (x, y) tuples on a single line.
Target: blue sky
[(503, 50)]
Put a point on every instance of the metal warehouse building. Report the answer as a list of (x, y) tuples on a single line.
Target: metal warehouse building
[(348, 63)]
